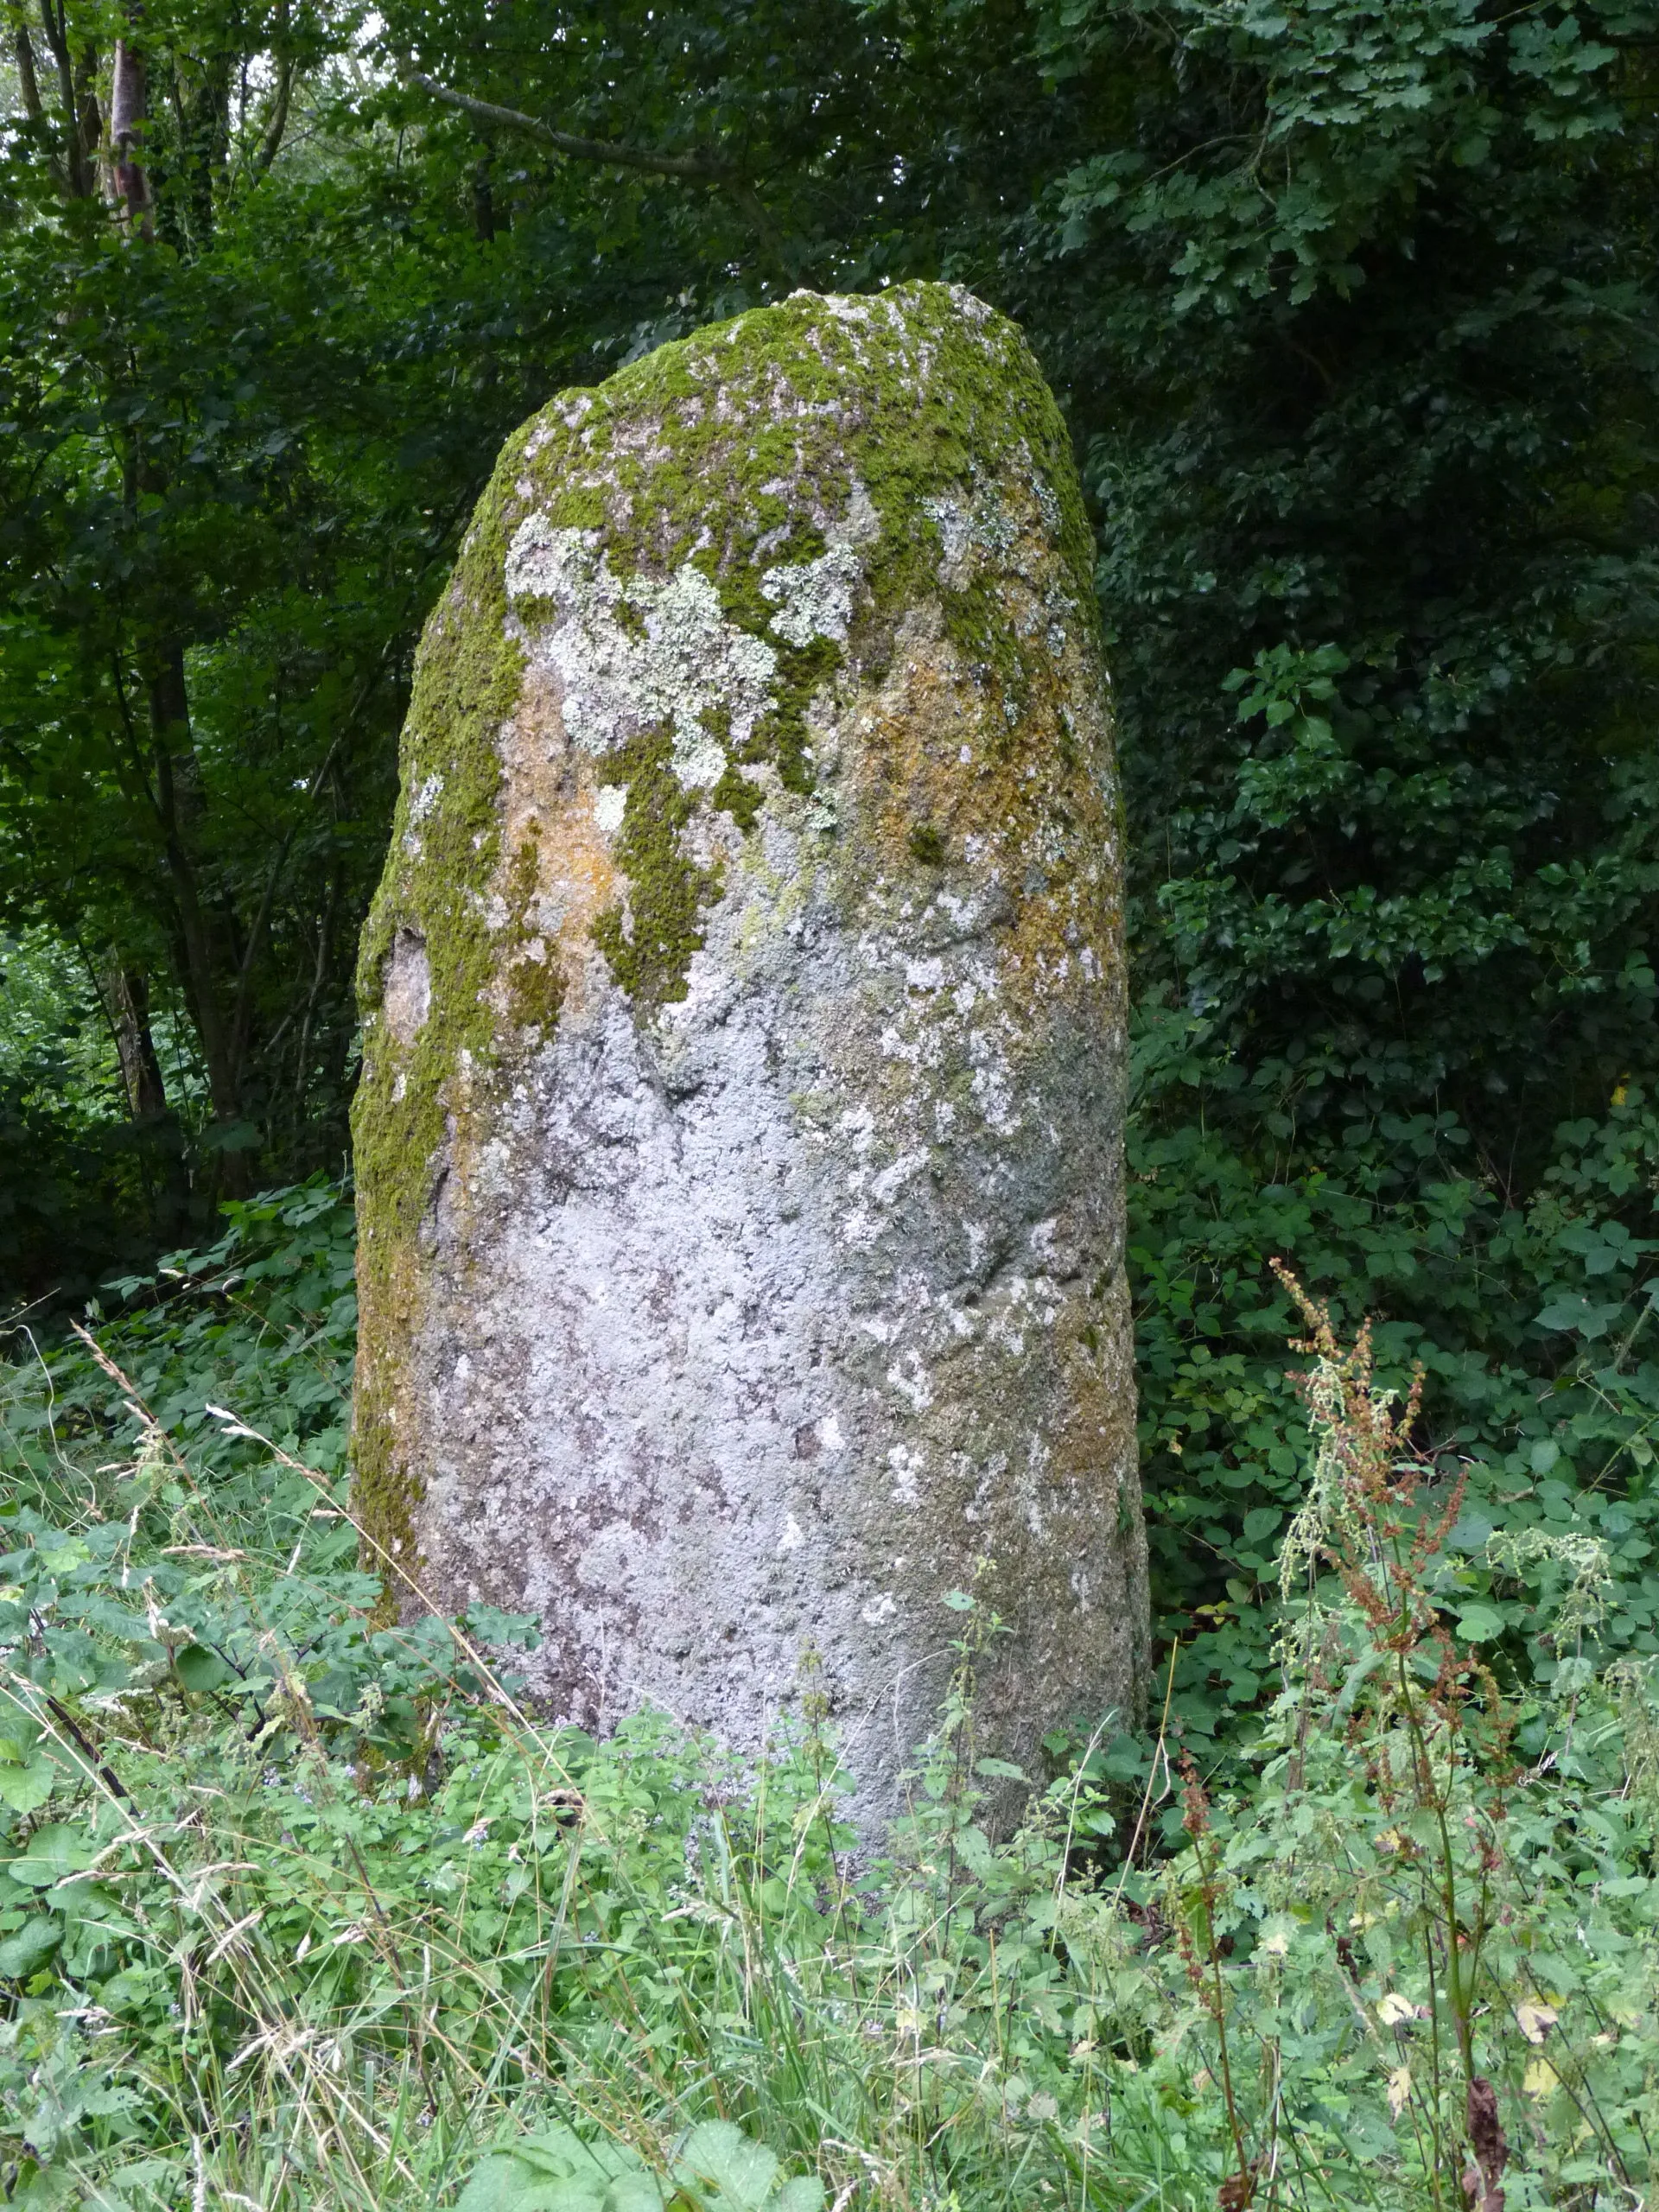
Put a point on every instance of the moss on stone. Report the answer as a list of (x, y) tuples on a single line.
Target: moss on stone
[(445, 839), (648, 944), (534, 975)]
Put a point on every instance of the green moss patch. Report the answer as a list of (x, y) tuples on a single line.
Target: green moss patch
[(649, 945)]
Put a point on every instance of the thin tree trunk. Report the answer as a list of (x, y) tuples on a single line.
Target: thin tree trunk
[(178, 805), (29, 87), (277, 123), (126, 996), (77, 100), (129, 182), (319, 976), (242, 1016), (483, 202)]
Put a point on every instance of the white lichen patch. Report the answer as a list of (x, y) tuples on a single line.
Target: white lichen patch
[(422, 801), (629, 653), (815, 599), (407, 1001)]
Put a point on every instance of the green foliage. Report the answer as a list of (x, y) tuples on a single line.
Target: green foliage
[(301, 1910), (1533, 1326), (1413, 1957), (1352, 310), (717, 2169), (1375, 574), (241, 435), (266, 1317), (67, 1151)]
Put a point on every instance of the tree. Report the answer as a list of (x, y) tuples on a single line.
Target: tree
[(227, 487), (1356, 304)]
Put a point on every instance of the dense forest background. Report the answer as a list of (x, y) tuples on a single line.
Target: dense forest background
[(1351, 306)]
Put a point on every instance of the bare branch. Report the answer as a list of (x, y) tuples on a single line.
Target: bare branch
[(574, 149)]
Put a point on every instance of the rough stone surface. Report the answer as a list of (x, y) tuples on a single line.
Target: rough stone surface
[(739, 1142)]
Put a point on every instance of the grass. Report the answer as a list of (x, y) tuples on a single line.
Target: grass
[(297, 1910)]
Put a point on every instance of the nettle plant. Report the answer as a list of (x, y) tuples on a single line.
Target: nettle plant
[(1417, 1958)]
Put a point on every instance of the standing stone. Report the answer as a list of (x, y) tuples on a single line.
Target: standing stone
[(740, 1136)]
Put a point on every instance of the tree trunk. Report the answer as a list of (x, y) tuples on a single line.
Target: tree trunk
[(126, 999), (28, 88), (129, 184), (277, 123), (76, 77), (483, 202), (179, 806)]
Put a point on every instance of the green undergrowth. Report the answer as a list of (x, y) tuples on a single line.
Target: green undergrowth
[(1533, 1324), (264, 1319), (300, 1909)]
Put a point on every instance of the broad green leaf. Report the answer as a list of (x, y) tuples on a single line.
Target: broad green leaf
[(554, 2170), (31, 1947), (803, 2195), (25, 1787), (198, 1669), (718, 2151), (1479, 1623), (49, 1854), (1583, 1315), (501, 2182)]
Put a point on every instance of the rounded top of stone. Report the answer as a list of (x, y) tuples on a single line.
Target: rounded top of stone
[(818, 420), (862, 328)]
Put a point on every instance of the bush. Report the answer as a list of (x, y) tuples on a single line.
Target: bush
[(1533, 1326)]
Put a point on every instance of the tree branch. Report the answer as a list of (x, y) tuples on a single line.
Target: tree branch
[(277, 123), (270, 144), (574, 149)]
